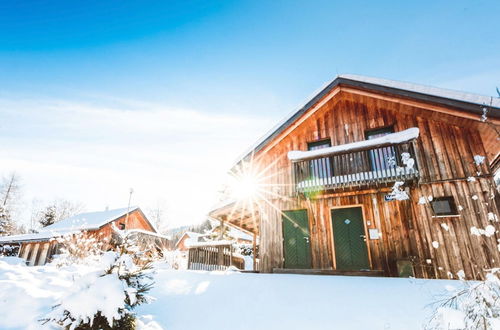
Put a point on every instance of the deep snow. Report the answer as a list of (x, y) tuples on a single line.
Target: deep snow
[(230, 300)]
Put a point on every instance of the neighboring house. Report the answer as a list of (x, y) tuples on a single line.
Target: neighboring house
[(38, 248), (329, 201), (189, 238)]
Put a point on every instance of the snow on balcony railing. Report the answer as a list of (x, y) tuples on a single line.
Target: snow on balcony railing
[(380, 160), (386, 140)]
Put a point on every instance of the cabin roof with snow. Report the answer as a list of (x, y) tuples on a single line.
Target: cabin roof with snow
[(89, 220), (466, 102), (84, 221)]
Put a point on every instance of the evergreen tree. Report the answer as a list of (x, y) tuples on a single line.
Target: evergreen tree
[(7, 226), (127, 264), (48, 216)]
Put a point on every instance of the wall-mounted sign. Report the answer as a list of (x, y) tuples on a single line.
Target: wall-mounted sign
[(374, 233), (389, 197)]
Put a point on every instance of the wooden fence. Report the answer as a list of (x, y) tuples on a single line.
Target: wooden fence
[(213, 257)]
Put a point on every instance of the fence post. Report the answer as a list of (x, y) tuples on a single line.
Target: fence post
[(189, 259)]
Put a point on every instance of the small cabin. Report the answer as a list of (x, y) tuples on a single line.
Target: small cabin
[(39, 248), (376, 177)]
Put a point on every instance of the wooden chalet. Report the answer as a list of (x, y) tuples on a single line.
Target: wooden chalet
[(39, 248), (377, 177)]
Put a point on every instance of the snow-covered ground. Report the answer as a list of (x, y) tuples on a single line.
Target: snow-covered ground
[(230, 300)]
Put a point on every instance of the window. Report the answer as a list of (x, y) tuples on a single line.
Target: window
[(122, 226), (381, 158), (321, 168), (444, 206)]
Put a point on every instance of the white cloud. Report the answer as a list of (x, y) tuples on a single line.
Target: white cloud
[(94, 153)]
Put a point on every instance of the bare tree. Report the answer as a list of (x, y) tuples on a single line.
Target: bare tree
[(10, 190), (10, 195), (157, 215)]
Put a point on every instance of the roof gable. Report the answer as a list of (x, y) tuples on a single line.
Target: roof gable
[(467, 102)]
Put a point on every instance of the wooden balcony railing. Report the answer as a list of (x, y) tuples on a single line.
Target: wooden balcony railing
[(353, 168)]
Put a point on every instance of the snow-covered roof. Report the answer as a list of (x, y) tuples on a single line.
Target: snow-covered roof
[(41, 236), (428, 90), (146, 232), (393, 138), (468, 102), (192, 234), (192, 238), (211, 243), (83, 221), (90, 220)]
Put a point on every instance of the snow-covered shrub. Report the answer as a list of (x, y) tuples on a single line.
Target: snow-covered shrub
[(9, 250), (176, 259), (79, 247), (475, 305), (106, 290), (244, 249)]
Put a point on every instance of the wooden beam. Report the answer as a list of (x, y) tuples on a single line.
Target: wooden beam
[(254, 251)]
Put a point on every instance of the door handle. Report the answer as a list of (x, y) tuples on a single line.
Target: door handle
[(307, 239), (363, 237)]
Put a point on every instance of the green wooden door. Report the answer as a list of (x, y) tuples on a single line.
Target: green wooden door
[(349, 239), (296, 246)]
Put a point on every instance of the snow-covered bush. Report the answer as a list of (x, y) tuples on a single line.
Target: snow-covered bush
[(9, 250), (175, 259), (475, 305), (105, 291), (244, 249), (78, 248)]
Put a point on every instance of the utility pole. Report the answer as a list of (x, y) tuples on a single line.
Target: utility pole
[(128, 208)]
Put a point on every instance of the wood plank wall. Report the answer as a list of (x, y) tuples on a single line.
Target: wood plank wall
[(445, 154)]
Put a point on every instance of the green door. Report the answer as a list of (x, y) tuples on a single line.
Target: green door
[(349, 239), (296, 239)]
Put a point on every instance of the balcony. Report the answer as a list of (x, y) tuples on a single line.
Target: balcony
[(379, 161)]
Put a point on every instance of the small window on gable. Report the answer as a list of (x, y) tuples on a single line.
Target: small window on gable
[(122, 226), (444, 206)]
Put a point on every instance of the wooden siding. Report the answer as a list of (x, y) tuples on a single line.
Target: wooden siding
[(445, 156), (135, 220)]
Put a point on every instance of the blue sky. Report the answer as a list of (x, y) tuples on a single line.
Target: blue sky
[(70, 71)]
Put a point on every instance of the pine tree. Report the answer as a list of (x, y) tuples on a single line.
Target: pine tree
[(48, 216), (127, 264), (7, 226)]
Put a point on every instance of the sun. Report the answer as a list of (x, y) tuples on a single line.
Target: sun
[(245, 187)]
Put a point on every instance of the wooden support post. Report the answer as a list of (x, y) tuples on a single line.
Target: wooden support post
[(254, 251), (220, 255), (222, 224)]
